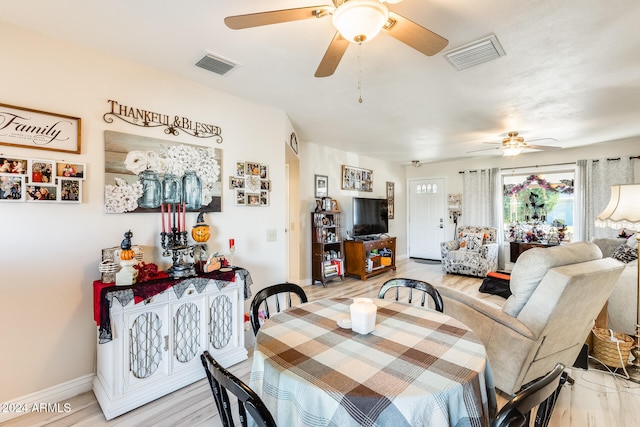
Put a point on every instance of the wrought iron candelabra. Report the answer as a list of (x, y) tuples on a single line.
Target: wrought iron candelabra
[(175, 244)]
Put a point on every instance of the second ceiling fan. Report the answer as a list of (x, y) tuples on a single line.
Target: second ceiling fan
[(514, 144), (356, 21)]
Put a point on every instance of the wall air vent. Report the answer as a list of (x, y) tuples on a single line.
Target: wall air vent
[(216, 64), (475, 53)]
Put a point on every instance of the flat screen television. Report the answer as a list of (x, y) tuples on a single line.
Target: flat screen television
[(370, 216)]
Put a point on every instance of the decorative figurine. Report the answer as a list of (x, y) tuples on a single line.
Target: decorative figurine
[(200, 234), (201, 231), (127, 274)]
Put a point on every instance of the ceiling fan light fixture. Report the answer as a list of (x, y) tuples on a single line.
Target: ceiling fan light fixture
[(511, 151), (359, 21)]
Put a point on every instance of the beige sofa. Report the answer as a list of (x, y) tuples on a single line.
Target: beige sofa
[(556, 295), (622, 304)]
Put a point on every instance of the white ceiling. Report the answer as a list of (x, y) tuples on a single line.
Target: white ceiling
[(571, 70)]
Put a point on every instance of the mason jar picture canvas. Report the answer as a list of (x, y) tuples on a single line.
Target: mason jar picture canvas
[(142, 173)]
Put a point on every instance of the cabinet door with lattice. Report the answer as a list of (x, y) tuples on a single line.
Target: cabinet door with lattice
[(188, 333), (146, 346), (222, 330)]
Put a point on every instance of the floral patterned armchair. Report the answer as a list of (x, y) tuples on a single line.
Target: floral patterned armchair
[(474, 252)]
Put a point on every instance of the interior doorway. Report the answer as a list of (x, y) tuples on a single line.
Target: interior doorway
[(426, 217), (292, 225)]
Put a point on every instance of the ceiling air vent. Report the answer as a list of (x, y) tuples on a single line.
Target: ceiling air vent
[(475, 53), (215, 64)]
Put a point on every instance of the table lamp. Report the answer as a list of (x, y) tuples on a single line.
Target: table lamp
[(623, 211)]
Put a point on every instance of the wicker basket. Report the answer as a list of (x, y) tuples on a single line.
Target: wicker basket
[(610, 352)]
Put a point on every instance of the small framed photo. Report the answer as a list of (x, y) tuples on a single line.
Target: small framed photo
[(240, 197), (321, 184), (334, 205), (70, 170), (240, 170), (253, 199), (264, 198), (41, 171), (264, 172), (265, 184), (252, 168), (12, 187), (70, 191), (236, 182), (42, 193), (13, 165)]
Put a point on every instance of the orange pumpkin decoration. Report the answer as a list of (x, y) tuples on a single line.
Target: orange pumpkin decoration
[(127, 254), (201, 231)]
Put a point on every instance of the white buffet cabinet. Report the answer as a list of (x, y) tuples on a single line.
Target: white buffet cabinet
[(157, 343)]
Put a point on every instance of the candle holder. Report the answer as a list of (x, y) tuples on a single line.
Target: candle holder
[(175, 245)]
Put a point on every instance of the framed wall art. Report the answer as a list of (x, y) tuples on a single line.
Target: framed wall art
[(236, 182), (70, 170), (16, 165), (40, 180), (70, 190), (390, 199), (42, 193), (321, 186), (357, 179), (12, 187), (142, 173), (25, 127), (241, 198), (251, 184), (41, 171)]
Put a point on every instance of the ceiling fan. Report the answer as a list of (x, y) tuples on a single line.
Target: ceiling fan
[(514, 144), (356, 21)]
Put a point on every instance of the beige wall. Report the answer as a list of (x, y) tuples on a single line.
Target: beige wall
[(321, 160)]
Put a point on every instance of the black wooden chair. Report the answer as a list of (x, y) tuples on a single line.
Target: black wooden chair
[(222, 381), (542, 392), (282, 293), (424, 287)]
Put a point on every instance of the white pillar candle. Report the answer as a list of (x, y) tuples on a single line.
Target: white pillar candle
[(363, 317)]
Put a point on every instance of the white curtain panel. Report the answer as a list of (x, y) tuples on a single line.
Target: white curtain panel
[(480, 196), (598, 176)]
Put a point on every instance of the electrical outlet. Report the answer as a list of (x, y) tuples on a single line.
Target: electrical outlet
[(272, 235)]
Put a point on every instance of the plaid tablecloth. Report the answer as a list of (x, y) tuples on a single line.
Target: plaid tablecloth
[(418, 368)]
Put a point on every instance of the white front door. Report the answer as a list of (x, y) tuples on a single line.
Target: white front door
[(426, 217)]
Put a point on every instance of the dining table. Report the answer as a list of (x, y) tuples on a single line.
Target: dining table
[(418, 367)]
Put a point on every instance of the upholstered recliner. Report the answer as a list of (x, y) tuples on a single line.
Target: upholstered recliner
[(556, 295), (474, 252)]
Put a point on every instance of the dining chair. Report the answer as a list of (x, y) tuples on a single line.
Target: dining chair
[(222, 382), (282, 292), (542, 392), (424, 287)]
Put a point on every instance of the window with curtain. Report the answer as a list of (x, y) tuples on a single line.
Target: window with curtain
[(539, 207)]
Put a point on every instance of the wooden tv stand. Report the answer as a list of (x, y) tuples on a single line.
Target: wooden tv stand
[(357, 252)]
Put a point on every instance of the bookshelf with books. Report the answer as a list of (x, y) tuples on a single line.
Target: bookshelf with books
[(327, 262)]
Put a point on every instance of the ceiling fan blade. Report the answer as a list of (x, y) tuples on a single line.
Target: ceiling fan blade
[(484, 149), (543, 147), (414, 35), (332, 56), (250, 20)]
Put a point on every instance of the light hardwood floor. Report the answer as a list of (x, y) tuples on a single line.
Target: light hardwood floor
[(597, 399)]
